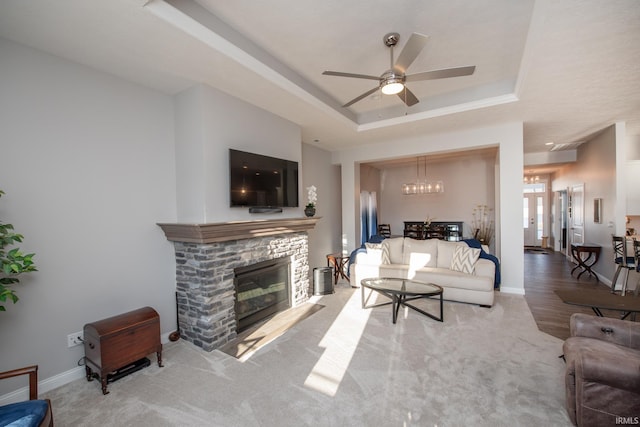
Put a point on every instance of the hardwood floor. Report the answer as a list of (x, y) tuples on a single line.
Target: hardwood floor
[(543, 274)]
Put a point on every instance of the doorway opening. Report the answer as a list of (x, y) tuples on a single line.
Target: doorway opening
[(534, 208)]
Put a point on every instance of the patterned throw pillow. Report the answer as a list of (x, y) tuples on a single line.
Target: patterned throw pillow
[(386, 257), (393, 250), (464, 259)]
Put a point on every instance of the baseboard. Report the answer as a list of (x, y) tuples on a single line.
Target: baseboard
[(507, 290), (44, 385), (54, 382)]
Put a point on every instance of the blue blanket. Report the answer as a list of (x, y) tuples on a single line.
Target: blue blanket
[(376, 238), (473, 243)]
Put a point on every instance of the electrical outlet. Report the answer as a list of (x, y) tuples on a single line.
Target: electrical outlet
[(75, 339)]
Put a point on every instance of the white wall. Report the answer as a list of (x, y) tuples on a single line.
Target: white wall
[(208, 123), (469, 181), (509, 139), (87, 164)]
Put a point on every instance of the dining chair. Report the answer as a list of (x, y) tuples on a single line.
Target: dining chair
[(623, 261), (33, 412), (384, 230)]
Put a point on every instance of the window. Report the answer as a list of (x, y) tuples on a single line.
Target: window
[(538, 187)]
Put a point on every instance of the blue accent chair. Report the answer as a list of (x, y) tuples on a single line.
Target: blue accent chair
[(33, 412)]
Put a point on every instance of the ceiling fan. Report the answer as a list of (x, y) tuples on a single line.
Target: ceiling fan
[(393, 81)]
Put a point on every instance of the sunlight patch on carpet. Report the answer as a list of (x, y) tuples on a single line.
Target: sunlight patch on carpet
[(340, 345)]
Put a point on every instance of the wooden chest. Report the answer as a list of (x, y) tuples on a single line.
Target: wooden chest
[(113, 343)]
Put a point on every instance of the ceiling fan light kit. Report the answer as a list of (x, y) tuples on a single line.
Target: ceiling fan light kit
[(392, 81), (391, 87)]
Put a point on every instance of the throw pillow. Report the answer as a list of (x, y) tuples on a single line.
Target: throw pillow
[(374, 252), (464, 259), (384, 254), (394, 249)]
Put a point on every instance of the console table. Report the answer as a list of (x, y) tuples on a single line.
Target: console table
[(592, 251), (443, 230)]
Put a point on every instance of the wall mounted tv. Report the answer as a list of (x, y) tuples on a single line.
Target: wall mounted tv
[(262, 181)]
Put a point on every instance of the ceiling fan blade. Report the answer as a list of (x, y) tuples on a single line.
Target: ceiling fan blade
[(442, 74), (408, 97), (364, 95), (355, 76), (411, 50)]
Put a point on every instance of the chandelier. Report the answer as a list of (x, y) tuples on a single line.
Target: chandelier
[(531, 179), (422, 186)]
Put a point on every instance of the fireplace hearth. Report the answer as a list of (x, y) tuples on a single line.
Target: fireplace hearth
[(262, 289)]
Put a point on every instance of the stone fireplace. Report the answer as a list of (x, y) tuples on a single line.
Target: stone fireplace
[(207, 256)]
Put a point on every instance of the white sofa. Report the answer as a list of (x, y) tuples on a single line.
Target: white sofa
[(470, 279)]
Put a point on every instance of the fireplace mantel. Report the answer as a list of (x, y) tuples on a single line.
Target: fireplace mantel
[(235, 230)]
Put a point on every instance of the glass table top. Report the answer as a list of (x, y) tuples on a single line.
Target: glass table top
[(402, 286)]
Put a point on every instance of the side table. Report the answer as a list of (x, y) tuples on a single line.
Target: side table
[(592, 251), (339, 263)]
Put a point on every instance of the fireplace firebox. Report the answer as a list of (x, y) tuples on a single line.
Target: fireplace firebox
[(262, 289)]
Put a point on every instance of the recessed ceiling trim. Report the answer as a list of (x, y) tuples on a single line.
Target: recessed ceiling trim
[(184, 21), (181, 15), (438, 112)]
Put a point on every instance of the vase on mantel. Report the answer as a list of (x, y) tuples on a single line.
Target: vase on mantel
[(310, 211)]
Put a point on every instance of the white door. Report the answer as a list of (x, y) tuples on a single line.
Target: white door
[(533, 218), (560, 226), (576, 214)]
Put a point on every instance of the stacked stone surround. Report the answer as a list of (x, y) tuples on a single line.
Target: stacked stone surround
[(204, 281)]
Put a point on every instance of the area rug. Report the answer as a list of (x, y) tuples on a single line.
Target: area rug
[(253, 339), (534, 250), (348, 366)]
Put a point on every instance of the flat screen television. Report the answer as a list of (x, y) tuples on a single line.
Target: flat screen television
[(262, 181)]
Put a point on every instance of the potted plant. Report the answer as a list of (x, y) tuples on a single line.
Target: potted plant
[(12, 261), (482, 224), (312, 197)]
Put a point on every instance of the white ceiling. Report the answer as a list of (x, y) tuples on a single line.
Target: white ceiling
[(566, 68)]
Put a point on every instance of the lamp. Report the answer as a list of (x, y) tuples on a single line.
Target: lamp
[(531, 179), (422, 187)]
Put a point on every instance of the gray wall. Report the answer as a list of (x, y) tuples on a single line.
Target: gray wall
[(88, 170), (318, 171), (596, 169), (89, 166)]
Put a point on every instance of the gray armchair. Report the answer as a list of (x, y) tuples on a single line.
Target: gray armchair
[(603, 370)]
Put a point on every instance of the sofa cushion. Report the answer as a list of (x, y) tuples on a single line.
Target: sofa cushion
[(440, 276), (445, 253), (420, 253), (464, 259), (395, 246)]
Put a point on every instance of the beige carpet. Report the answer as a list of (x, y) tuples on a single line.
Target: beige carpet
[(344, 366)]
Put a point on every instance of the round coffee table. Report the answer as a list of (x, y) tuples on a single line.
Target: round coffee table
[(400, 291)]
